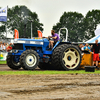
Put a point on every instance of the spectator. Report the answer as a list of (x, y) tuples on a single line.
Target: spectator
[(81, 47), (96, 48), (9, 47), (4, 47), (1, 46), (87, 47)]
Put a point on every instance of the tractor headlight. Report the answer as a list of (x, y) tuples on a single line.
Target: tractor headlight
[(16, 51), (13, 51), (15, 40)]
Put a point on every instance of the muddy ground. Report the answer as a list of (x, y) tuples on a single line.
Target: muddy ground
[(49, 87)]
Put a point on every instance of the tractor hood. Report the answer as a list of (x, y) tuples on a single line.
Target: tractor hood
[(30, 41)]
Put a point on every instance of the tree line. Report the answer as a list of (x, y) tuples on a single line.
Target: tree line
[(20, 18), (80, 28)]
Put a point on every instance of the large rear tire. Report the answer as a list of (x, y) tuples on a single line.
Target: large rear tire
[(12, 63), (29, 59), (66, 57)]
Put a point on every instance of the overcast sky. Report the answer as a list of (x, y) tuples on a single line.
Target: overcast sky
[(50, 11)]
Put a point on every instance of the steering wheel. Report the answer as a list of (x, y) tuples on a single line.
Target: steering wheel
[(48, 38)]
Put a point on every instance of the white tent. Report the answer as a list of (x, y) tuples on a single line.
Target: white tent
[(96, 37), (93, 39)]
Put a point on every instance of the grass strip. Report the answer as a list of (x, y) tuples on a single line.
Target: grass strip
[(46, 72), (2, 62)]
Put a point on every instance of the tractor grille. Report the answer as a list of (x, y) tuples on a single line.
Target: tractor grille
[(18, 46)]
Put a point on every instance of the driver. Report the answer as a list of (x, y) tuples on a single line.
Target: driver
[(55, 38)]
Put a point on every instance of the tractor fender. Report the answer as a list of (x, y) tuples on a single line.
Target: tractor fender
[(56, 45), (60, 43)]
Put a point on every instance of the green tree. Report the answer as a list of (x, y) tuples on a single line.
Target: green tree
[(90, 22), (20, 17), (2, 31), (73, 21)]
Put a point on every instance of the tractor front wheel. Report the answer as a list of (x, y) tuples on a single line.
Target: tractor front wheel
[(29, 59), (13, 62)]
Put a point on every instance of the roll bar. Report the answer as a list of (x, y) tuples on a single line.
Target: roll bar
[(66, 33)]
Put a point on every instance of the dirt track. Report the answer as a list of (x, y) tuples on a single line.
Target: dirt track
[(5, 68), (50, 87)]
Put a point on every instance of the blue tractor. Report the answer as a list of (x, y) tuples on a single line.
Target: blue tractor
[(30, 53)]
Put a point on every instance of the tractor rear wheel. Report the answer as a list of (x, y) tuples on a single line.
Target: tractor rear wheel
[(66, 57), (29, 59), (13, 62)]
